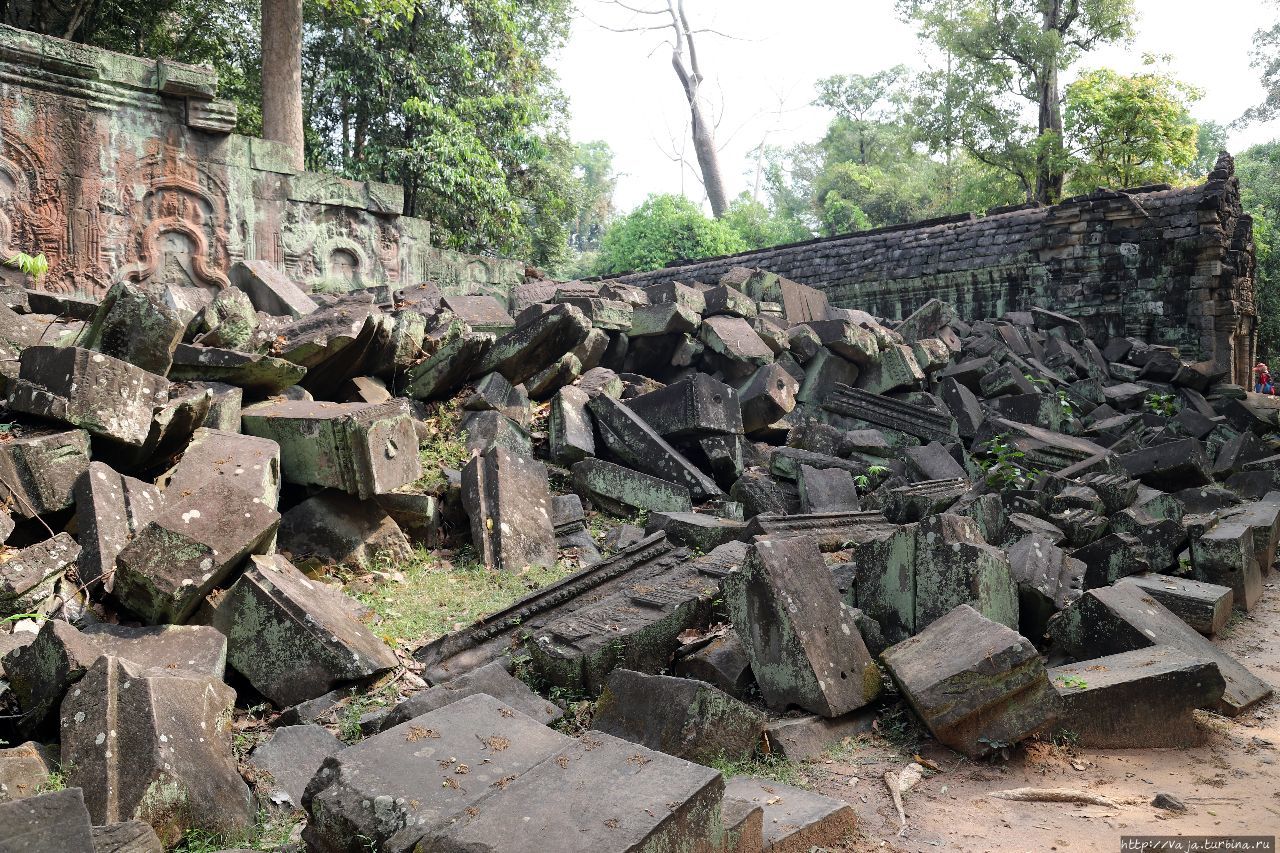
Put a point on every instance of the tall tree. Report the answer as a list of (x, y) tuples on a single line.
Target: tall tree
[(282, 76), (670, 16), (665, 228), (1023, 46), (1129, 130)]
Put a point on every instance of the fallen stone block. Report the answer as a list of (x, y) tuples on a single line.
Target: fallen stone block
[(1047, 578), (978, 685), (569, 520), (901, 422), (487, 430), (1111, 557), (633, 442), (270, 290), (847, 340), (661, 319), (622, 491), (1204, 606), (1224, 555), (457, 351), (823, 374), (334, 528), (818, 662), (795, 820), (810, 738), (528, 349), (509, 506), (24, 771), (284, 763), (570, 432), (492, 680), (1125, 618), (734, 346), (723, 663), (421, 773), (103, 395), (827, 490), (481, 312), (31, 577), (129, 836), (694, 407), (50, 823), (361, 448), (253, 372), (39, 470), (700, 531), (895, 369), (769, 395), (154, 745), (135, 325), (830, 531), (610, 796), (227, 460), (495, 393), (1141, 699), (295, 639), (190, 547), (688, 719), (1263, 518), (1170, 467), (636, 625)]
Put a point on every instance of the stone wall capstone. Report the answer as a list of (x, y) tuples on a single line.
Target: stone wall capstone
[(117, 167), (1171, 266)]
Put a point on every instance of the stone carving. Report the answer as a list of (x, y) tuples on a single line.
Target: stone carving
[(121, 168)]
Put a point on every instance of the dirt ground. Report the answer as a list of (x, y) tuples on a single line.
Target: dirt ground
[(1231, 784)]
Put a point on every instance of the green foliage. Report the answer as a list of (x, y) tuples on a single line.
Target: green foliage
[(1001, 56), (764, 766), (593, 168), (35, 266), (1000, 460), (272, 831), (446, 446), (1130, 130), (1161, 404), (759, 227), (1073, 681), (1258, 169), (663, 229)]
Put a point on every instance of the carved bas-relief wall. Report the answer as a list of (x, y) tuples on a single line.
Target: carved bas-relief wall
[(1172, 266), (117, 167)]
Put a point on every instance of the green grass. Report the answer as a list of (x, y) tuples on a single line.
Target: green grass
[(765, 767), (271, 831), (447, 445), (439, 596)]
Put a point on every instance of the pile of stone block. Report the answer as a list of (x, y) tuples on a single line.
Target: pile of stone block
[(800, 511)]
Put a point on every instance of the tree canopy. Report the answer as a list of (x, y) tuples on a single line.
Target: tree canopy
[(663, 229)]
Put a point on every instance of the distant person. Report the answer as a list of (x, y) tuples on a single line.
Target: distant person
[(1262, 383)]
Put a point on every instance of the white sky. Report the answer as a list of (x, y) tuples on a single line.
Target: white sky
[(622, 88)]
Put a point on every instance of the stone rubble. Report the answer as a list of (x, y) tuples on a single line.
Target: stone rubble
[(783, 516)]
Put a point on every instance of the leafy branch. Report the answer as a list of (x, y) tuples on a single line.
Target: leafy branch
[(35, 266)]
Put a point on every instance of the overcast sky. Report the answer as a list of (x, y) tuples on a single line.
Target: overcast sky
[(622, 88)]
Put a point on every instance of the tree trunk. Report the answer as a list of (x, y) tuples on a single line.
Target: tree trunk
[(1049, 177), (704, 145), (282, 75)]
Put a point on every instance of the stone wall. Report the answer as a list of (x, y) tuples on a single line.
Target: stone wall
[(117, 167), (1172, 266)]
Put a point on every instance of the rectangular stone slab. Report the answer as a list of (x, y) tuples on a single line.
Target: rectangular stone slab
[(1141, 699), (56, 822), (104, 395), (691, 408), (294, 638), (39, 470), (526, 350), (977, 685), (795, 820), (228, 459), (421, 774), (1125, 617), (622, 491), (1204, 606), (509, 506), (570, 430), (366, 449), (154, 745), (632, 441), (803, 641), (599, 794), (190, 547), (494, 635)]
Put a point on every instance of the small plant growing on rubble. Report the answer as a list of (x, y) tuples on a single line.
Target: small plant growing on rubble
[(33, 265), (1073, 681), (999, 460), (1068, 408), (1165, 405)]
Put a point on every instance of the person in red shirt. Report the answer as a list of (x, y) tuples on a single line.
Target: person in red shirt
[(1262, 383)]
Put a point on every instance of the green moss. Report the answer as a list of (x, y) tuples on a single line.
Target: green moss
[(765, 767)]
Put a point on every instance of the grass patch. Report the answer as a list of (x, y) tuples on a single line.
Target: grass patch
[(271, 831), (765, 767), (439, 595), (446, 446)]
